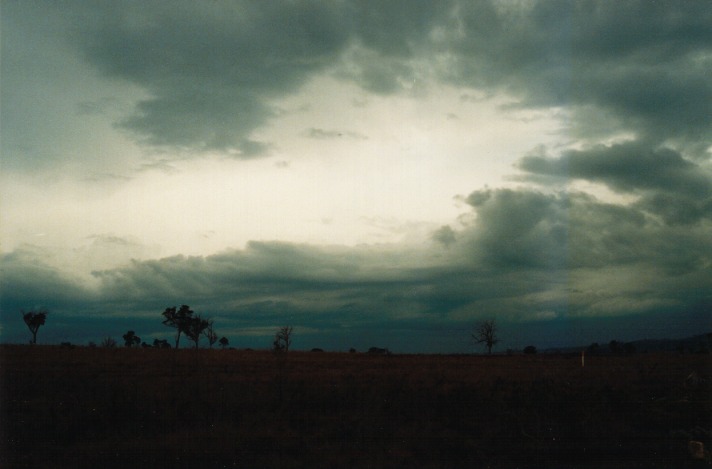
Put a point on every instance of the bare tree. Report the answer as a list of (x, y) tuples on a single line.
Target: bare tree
[(485, 332), (108, 342), (34, 319), (210, 334), (282, 339)]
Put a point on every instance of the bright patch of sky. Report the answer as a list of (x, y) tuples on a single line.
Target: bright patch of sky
[(344, 168)]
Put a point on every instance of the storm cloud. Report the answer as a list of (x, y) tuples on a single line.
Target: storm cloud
[(677, 189), (526, 258), (212, 72), (137, 140)]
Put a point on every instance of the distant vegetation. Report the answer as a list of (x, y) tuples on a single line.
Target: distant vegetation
[(33, 320), (186, 323), (485, 333)]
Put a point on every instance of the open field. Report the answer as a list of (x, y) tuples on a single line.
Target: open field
[(106, 408)]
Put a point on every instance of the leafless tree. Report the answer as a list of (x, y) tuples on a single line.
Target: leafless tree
[(282, 339), (108, 342), (210, 334), (485, 332), (34, 319)]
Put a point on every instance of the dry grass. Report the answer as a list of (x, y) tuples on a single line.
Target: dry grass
[(212, 408)]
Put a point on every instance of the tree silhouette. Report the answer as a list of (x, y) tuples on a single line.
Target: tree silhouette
[(131, 339), (614, 346), (282, 339), (34, 319), (178, 319), (485, 332), (108, 342), (161, 343), (210, 334), (224, 342), (530, 350), (194, 328)]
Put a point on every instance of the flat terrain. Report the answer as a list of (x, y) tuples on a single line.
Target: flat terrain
[(119, 408)]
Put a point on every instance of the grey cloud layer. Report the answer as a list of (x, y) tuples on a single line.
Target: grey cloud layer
[(212, 68), (677, 189), (527, 257), (644, 63)]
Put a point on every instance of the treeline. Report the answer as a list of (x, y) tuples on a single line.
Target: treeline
[(183, 319)]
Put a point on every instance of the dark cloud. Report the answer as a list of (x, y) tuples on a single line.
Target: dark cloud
[(210, 69), (528, 229), (518, 229), (28, 281), (627, 167), (444, 235), (646, 64), (677, 189)]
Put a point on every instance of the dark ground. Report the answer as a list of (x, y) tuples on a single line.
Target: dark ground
[(119, 408)]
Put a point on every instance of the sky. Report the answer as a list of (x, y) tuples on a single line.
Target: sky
[(371, 173)]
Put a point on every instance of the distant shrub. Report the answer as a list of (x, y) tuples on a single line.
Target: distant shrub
[(530, 350), (108, 342), (161, 343)]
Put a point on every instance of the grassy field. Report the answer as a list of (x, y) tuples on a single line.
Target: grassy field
[(111, 408)]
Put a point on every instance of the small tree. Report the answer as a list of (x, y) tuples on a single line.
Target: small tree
[(282, 339), (194, 328), (161, 343), (210, 334), (108, 342), (485, 332), (34, 319), (224, 342), (614, 346), (131, 339), (530, 350), (178, 319)]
